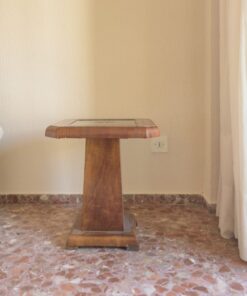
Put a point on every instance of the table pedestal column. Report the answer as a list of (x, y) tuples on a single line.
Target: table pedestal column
[(102, 221)]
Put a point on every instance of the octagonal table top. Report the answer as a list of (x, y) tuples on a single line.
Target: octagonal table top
[(103, 128)]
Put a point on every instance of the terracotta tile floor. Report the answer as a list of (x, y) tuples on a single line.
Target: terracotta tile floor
[(181, 253)]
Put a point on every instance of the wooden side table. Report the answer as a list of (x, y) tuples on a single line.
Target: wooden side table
[(102, 221)]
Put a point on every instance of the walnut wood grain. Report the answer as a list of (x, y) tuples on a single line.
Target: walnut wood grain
[(102, 222), (143, 128), (102, 198), (123, 239)]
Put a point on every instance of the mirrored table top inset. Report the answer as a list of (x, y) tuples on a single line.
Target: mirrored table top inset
[(105, 122)]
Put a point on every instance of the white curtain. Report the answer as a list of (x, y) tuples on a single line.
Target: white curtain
[(232, 198)]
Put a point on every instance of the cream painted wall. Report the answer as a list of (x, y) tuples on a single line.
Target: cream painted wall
[(45, 75), (211, 166), (111, 58)]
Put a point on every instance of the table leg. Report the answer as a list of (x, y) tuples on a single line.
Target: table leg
[(102, 222)]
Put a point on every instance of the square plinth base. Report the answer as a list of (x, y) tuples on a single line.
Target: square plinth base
[(118, 239)]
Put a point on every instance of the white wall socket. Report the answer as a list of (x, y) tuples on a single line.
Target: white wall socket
[(160, 144)]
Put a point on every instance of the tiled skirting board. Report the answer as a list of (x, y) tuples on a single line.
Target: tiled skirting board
[(181, 199)]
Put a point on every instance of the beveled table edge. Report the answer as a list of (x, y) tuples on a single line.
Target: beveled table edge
[(145, 128)]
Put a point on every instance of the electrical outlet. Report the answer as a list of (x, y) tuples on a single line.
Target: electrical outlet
[(160, 144)]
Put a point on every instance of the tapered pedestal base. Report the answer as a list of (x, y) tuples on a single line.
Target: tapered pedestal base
[(102, 222), (120, 239)]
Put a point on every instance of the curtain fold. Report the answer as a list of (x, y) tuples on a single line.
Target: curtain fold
[(232, 197)]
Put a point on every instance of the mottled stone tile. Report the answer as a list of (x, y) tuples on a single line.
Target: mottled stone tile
[(129, 199), (181, 253)]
